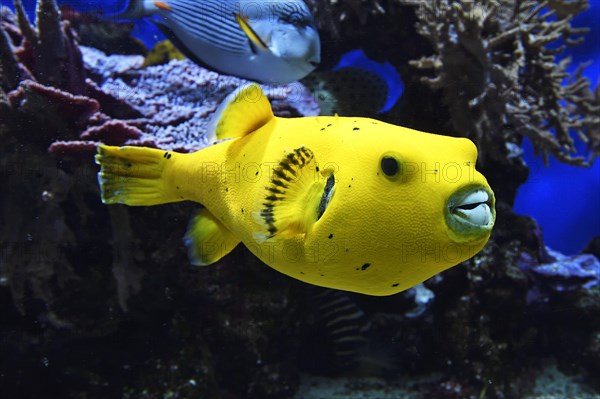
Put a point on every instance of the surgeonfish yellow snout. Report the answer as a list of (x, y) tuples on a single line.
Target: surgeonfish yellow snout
[(340, 202), (265, 41)]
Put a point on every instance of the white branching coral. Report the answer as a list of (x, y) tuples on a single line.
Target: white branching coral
[(497, 63)]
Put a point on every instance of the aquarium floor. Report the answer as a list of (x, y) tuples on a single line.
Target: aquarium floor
[(550, 384)]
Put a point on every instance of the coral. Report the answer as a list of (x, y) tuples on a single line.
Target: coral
[(383, 29), (11, 71), (177, 100), (592, 122), (497, 66), (60, 112), (107, 36), (50, 51), (566, 273), (112, 133)]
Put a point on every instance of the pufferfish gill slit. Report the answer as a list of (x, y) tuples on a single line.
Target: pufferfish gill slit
[(338, 202)]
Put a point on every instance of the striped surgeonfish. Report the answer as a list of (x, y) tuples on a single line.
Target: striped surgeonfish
[(273, 41)]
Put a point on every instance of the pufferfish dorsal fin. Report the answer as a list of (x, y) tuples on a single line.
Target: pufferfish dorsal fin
[(291, 201), (243, 111)]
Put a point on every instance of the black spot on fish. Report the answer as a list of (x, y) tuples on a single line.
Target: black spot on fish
[(349, 185), (242, 210), (329, 125), (301, 272), (322, 128), (177, 187), (317, 168), (226, 189), (356, 128), (395, 285), (256, 173), (330, 236), (365, 266)]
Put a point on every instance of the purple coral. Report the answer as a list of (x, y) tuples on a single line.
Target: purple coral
[(50, 51), (34, 97), (177, 100)]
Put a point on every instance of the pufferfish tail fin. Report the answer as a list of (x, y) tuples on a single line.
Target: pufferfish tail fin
[(242, 112), (133, 175)]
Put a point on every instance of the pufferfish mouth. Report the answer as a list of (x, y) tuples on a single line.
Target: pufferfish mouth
[(470, 212), (326, 196)]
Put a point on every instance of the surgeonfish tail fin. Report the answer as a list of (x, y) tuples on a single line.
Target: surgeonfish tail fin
[(133, 175), (137, 9)]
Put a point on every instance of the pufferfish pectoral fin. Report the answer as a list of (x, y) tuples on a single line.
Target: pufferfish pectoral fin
[(292, 200), (207, 239), (243, 111)]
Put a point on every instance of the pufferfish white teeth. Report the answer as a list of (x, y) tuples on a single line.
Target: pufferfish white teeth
[(474, 208)]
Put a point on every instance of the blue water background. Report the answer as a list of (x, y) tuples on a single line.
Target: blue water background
[(565, 200)]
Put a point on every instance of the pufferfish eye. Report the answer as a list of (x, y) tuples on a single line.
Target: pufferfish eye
[(390, 166)]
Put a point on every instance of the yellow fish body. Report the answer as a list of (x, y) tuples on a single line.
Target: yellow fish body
[(340, 202)]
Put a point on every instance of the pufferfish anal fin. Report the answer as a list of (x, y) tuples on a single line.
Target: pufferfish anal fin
[(242, 112), (207, 240), (290, 205)]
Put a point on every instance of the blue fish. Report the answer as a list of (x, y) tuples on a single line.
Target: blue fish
[(265, 41)]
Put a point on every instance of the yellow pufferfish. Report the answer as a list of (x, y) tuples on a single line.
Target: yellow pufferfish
[(347, 203)]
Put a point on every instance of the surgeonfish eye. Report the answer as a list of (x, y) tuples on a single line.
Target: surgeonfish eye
[(390, 166), (296, 19)]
